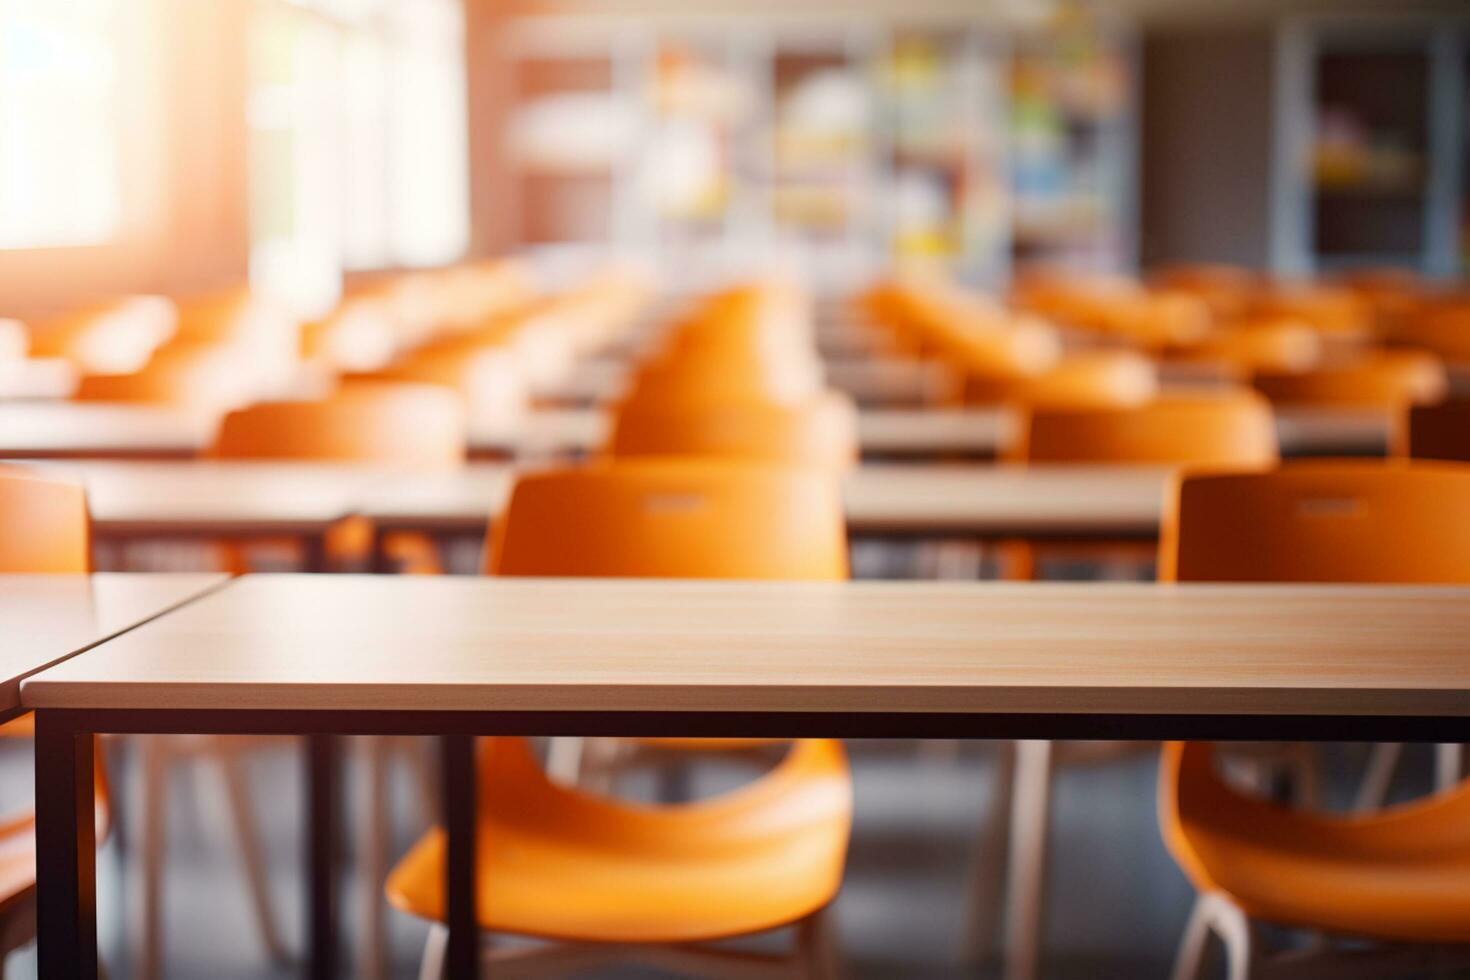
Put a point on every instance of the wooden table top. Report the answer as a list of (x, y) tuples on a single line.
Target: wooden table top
[(63, 429), (965, 498), (46, 618), (284, 642), (141, 497)]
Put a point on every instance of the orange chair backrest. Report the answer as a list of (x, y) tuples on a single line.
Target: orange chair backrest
[(1226, 429), (752, 377), (1330, 521), (673, 518), (188, 378), (43, 524), (1388, 379), (1085, 380), (1439, 431), (821, 431), (368, 422)]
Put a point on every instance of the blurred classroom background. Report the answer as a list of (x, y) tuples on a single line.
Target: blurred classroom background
[(212, 204)]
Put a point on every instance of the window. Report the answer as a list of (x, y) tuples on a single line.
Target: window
[(59, 167), (358, 141)]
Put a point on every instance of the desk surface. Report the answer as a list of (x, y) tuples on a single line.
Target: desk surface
[(963, 498), (479, 644), (45, 618), (61, 428), (141, 497)]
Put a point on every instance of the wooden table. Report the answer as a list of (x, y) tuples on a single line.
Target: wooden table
[(928, 432), (461, 657), (133, 500), (46, 618), (966, 500), (99, 429)]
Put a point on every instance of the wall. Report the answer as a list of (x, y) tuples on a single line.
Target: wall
[(1206, 145), (184, 225)]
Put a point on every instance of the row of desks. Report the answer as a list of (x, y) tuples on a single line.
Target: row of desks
[(81, 429), (169, 499), (460, 657)]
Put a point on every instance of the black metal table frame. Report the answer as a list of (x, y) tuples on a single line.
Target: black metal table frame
[(65, 835)]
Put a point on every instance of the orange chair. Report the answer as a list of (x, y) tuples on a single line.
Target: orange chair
[(1440, 431), (44, 529), (1278, 345), (370, 422), (46, 523), (1098, 379), (1401, 875), (1388, 379), (194, 379), (1229, 428), (821, 431), (621, 881)]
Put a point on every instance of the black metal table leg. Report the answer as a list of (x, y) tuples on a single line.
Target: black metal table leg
[(459, 786), (324, 797), (66, 855)]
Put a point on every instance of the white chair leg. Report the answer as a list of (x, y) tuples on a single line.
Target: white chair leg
[(1189, 961), (1026, 872), (1234, 930), (1383, 760), (987, 862), (376, 824), (1449, 765), (252, 859), (149, 960), (435, 948), (564, 760)]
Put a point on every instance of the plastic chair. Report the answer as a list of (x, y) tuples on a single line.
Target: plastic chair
[(607, 880), (44, 529), (46, 523), (1397, 876), (1098, 379), (391, 423), (821, 431), (1231, 430), (396, 424), (194, 379), (1439, 431), (611, 878), (1386, 875), (1384, 379), (1279, 345)]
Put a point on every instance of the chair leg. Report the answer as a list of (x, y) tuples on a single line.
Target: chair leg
[(376, 823), (252, 859), (154, 749), (564, 760), (987, 863), (435, 947), (1189, 961), (1449, 765), (1026, 872), (1383, 760), (1234, 929), (817, 946)]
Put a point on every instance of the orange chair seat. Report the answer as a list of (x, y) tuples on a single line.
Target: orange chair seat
[(1401, 874), (559, 864)]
